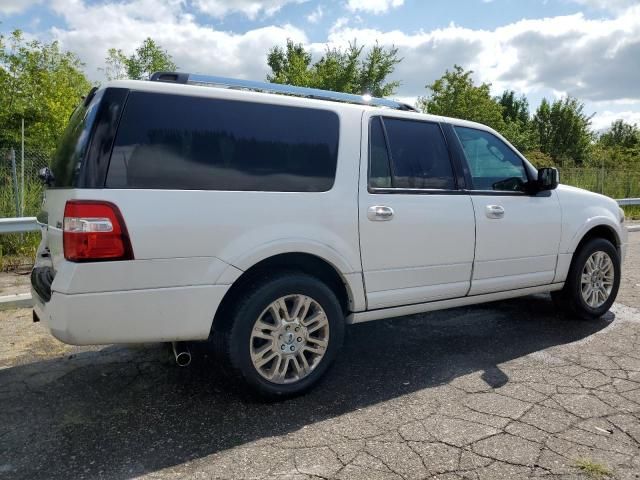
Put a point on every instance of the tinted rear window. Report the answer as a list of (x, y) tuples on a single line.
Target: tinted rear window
[(179, 142), (73, 145)]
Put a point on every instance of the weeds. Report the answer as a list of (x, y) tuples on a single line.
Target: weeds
[(632, 212), (593, 470)]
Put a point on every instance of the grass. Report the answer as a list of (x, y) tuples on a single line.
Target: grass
[(632, 212), (594, 470)]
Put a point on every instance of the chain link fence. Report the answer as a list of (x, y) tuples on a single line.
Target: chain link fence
[(19, 181), (613, 183), (20, 195)]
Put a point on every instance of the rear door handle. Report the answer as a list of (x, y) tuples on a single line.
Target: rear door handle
[(380, 213), (494, 211)]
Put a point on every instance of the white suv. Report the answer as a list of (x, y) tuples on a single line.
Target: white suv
[(266, 217)]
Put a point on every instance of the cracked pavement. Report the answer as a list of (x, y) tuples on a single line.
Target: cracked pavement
[(508, 390)]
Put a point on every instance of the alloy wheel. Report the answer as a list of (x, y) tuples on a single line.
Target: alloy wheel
[(289, 339), (596, 281)]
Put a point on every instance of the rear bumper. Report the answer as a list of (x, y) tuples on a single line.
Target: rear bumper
[(132, 316)]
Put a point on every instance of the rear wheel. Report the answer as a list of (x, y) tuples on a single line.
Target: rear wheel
[(593, 280), (284, 334)]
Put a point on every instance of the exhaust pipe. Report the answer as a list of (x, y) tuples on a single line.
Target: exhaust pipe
[(181, 353)]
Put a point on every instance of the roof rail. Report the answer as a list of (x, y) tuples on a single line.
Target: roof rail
[(266, 87)]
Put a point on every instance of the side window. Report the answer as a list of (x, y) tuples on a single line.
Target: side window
[(419, 155), (379, 168), (169, 141), (493, 165)]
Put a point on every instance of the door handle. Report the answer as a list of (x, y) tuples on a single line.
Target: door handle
[(494, 211), (380, 213)]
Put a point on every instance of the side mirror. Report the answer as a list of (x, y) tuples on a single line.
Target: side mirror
[(46, 175), (548, 179)]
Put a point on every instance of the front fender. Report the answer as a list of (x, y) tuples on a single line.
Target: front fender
[(591, 223)]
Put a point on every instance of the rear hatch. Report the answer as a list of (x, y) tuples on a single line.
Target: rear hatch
[(81, 161)]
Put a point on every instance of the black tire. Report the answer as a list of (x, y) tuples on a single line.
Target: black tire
[(570, 298), (234, 344)]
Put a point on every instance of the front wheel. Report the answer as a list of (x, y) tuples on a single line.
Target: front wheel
[(285, 333), (593, 280)]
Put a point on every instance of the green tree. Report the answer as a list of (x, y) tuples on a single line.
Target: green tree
[(149, 57), (514, 108), (617, 148), (521, 135), (563, 130), (621, 134), (290, 66), (455, 95), (40, 83), (515, 113), (338, 70)]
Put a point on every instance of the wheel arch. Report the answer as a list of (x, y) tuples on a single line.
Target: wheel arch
[(345, 286), (602, 229), (602, 226), (596, 227)]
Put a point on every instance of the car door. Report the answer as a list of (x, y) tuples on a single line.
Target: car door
[(416, 227), (517, 233)]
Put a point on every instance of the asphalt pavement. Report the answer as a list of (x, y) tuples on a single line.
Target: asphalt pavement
[(510, 389)]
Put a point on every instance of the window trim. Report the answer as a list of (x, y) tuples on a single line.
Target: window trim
[(467, 170), (386, 144), (457, 190)]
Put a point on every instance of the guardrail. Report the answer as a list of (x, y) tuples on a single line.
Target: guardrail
[(18, 225), (29, 224)]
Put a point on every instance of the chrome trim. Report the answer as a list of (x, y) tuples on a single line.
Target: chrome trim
[(380, 213), (314, 93), (494, 211)]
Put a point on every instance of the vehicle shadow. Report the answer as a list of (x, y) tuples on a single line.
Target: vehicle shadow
[(119, 412)]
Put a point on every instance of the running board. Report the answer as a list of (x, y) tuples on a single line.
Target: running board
[(360, 317)]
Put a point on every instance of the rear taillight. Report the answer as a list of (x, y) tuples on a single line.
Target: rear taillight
[(94, 231)]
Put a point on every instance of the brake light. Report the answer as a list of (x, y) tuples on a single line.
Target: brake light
[(94, 231)]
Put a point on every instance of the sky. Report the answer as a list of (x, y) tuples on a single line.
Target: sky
[(542, 48)]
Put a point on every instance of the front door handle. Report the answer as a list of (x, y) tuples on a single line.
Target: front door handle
[(380, 213), (494, 211)]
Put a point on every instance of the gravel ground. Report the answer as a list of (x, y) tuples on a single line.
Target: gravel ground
[(505, 390), (12, 283)]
